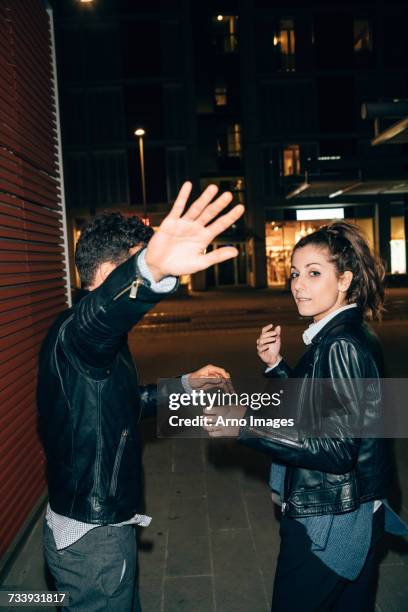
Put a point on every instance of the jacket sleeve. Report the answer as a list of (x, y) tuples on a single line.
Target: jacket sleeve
[(102, 319), (344, 365), (282, 370)]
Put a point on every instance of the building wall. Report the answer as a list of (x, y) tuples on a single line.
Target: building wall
[(32, 266)]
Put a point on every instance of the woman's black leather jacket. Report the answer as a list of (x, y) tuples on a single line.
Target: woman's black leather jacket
[(331, 475)]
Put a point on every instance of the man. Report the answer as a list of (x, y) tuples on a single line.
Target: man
[(90, 402)]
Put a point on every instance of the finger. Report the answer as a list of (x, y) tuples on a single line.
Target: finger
[(213, 210), (181, 201), (225, 221), (217, 370), (218, 256), (271, 334), (266, 343), (261, 351), (201, 203), (267, 327)]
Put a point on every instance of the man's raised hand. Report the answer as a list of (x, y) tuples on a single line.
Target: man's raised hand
[(178, 246)]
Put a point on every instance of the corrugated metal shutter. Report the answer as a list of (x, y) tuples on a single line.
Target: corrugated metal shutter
[(32, 267)]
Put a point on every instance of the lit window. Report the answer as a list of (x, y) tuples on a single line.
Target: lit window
[(363, 38), (234, 143), (230, 145), (285, 41), (398, 256), (226, 33), (220, 96), (291, 160)]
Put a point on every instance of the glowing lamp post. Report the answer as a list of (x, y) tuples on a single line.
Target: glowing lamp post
[(140, 132)]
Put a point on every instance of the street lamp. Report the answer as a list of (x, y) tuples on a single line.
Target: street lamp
[(140, 133)]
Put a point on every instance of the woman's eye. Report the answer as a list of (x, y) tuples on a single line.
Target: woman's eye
[(314, 273), (293, 275)]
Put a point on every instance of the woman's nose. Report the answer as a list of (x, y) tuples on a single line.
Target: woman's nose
[(298, 284)]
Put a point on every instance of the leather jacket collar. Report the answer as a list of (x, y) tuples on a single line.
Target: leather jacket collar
[(351, 315)]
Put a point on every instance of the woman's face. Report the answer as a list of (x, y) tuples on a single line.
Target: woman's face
[(315, 286)]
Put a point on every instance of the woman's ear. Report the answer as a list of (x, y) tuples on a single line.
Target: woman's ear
[(345, 280)]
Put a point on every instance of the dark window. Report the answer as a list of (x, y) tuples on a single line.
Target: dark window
[(287, 107), (155, 175), (141, 49), (333, 40), (176, 170), (363, 41), (395, 42), (105, 116), (174, 111), (143, 106), (337, 105), (73, 118), (109, 178)]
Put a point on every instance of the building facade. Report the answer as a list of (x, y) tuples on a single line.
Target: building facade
[(262, 98)]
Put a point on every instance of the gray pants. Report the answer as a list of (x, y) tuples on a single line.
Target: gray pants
[(98, 571)]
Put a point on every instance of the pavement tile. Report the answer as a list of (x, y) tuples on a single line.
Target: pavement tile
[(247, 596), (151, 593), (188, 455), (187, 484), (188, 516), (394, 551), (233, 553), (225, 504), (392, 594), (188, 595), (152, 555), (188, 556)]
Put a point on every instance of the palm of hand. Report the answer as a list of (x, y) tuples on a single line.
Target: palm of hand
[(183, 241)]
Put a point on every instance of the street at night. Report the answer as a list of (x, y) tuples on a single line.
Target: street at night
[(199, 196)]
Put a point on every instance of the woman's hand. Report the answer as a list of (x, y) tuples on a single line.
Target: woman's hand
[(269, 344)]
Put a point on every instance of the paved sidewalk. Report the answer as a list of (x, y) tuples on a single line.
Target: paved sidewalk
[(213, 541)]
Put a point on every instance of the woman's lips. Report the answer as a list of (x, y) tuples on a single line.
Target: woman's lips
[(302, 299)]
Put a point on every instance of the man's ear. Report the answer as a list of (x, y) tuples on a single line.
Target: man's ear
[(103, 271), (345, 280)]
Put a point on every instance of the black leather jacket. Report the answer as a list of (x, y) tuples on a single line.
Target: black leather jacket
[(330, 475), (90, 402)]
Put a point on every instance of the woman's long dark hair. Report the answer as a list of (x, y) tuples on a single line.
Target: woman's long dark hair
[(348, 250)]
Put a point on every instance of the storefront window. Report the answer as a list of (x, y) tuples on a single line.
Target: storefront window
[(398, 257)]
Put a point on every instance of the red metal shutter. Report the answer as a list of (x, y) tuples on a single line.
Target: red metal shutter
[(32, 267)]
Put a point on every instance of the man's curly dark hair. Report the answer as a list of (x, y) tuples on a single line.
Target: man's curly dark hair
[(108, 237)]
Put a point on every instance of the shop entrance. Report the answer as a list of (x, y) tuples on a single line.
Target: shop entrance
[(229, 273)]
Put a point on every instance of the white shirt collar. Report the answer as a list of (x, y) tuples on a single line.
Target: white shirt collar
[(314, 328)]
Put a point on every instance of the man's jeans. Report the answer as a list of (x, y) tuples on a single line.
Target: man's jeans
[(98, 571)]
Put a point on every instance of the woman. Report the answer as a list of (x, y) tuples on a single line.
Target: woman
[(333, 489)]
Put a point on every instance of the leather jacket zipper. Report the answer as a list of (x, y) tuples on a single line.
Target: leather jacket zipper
[(118, 459), (133, 289)]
